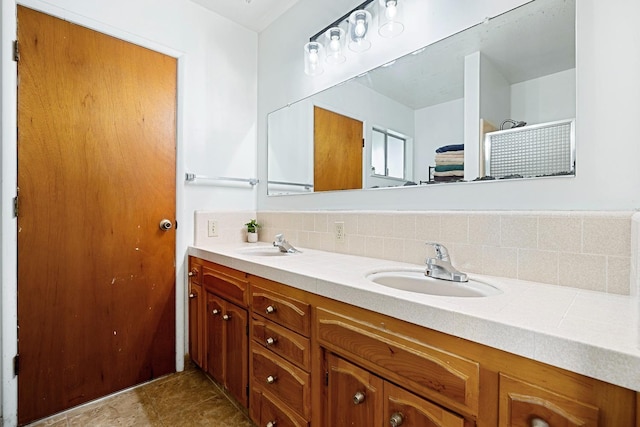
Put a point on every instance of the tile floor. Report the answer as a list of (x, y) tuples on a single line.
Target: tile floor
[(186, 399)]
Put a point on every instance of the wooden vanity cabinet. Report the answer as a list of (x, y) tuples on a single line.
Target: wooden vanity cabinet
[(226, 329), (309, 357), (280, 355), (196, 312)]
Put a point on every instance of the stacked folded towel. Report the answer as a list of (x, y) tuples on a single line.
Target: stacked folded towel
[(449, 163)]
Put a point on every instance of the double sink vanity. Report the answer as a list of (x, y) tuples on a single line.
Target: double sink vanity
[(316, 338)]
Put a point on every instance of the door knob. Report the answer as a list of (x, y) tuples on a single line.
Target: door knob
[(165, 225)]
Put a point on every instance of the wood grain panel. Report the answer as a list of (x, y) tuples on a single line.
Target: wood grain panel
[(337, 157), (232, 286), (416, 412), (521, 403), (290, 385), (96, 171), (265, 410), (284, 310), (283, 342), (428, 370)]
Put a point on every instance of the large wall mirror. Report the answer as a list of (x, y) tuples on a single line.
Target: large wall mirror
[(495, 101)]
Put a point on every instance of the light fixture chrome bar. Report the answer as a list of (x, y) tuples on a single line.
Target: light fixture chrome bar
[(191, 177), (338, 21)]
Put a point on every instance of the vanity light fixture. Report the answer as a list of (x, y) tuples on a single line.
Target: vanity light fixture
[(390, 18), (335, 41), (328, 45), (359, 21), (313, 58)]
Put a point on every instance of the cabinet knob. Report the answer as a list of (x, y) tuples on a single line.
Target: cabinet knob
[(538, 422), (271, 424), (271, 379), (396, 419), (358, 398), (193, 272), (215, 311), (226, 317), (271, 341), (270, 309)]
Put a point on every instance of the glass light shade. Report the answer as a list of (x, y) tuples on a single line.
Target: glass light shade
[(359, 22), (335, 40), (313, 58), (390, 18)]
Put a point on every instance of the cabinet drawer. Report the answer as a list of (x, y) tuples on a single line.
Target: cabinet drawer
[(264, 411), (284, 310), (291, 346), (226, 282), (438, 375), (285, 381), (409, 410), (521, 402), (195, 270)]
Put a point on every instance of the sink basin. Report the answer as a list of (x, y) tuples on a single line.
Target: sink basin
[(414, 280), (264, 251)]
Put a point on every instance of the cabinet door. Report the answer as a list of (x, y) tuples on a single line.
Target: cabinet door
[(195, 323), (236, 323), (354, 396), (523, 404), (215, 337), (408, 410)]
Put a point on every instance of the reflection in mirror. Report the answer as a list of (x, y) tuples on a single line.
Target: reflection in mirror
[(497, 94)]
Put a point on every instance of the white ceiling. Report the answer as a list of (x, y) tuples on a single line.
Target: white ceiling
[(255, 15)]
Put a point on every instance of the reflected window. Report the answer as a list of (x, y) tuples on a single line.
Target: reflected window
[(388, 154)]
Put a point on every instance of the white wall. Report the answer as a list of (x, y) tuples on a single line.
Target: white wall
[(607, 94), (217, 105), (437, 125), (546, 99)]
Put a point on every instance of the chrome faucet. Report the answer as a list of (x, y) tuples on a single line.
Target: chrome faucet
[(440, 267), (283, 245)]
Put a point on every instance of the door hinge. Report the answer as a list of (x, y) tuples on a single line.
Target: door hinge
[(326, 378), (247, 330), (16, 364), (16, 51), (362, 142), (15, 207), (247, 390)]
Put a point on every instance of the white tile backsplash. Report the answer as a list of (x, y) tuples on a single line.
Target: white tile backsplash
[(584, 250)]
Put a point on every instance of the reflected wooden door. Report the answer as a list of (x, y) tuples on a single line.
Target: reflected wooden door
[(337, 151), (96, 175)]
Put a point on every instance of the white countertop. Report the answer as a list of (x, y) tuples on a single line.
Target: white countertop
[(591, 333)]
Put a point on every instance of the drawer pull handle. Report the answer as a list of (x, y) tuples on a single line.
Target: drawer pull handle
[(270, 309), (358, 398), (271, 379), (215, 311), (193, 272), (226, 317), (271, 341), (271, 424), (396, 419), (539, 422)]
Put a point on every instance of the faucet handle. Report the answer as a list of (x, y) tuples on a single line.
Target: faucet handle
[(279, 238), (441, 251)]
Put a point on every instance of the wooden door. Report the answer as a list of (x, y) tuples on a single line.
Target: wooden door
[(96, 175), (354, 396), (237, 352), (215, 337), (337, 151)]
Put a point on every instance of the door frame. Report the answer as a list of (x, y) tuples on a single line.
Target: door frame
[(9, 174)]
